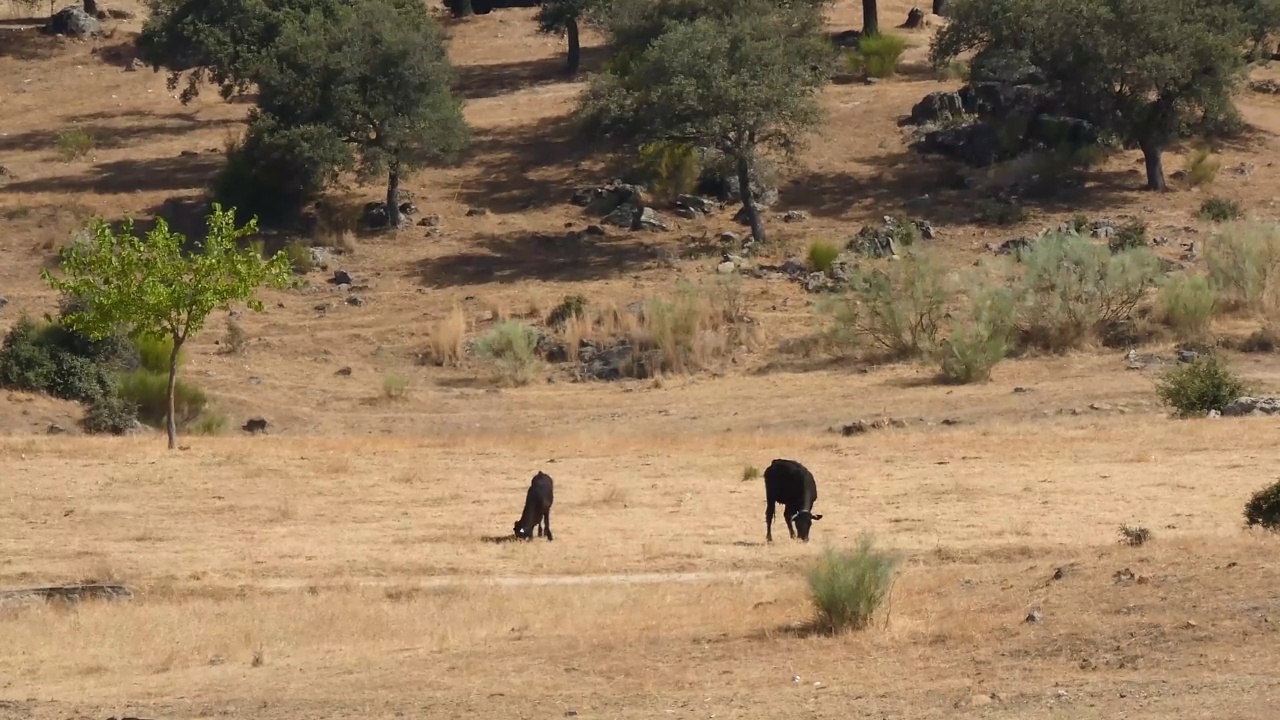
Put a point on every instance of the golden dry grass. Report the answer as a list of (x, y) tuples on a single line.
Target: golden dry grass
[(338, 566)]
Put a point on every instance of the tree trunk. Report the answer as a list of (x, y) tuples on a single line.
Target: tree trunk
[(393, 196), (464, 8), (170, 421), (575, 46), (870, 19), (940, 8), (1151, 154), (749, 201), (91, 8)]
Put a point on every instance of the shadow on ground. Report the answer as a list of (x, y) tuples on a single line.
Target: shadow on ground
[(527, 256), (20, 42), (108, 133), (476, 82), (525, 167), (127, 176)]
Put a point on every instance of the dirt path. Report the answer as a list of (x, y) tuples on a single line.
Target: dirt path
[(444, 581)]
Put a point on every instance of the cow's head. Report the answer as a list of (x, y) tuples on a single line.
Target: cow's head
[(803, 521), (522, 533)]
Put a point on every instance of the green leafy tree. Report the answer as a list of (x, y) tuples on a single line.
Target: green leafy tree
[(742, 79), (156, 288), (376, 74), (564, 17), (1144, 70)]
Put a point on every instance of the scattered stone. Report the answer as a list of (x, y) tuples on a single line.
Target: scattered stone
[(375, 216), (937, 107), (1187, 356), (1011, 246), (355, 300), (73, 21), (476, 212), (255, 426), (1213, 414), (730, 238), (596, 230), (604, 200), (1035, 616), (1266, 87), (429, 221), (343, 372), (727, 267), (694, 206), (134, 65), (56, 429), (3, 301), (915, 19), (341, 277), (1019, 390), (649, 220), (1060, 573), (1102, 407), (881, 241), (792, 216), (1252, 406)]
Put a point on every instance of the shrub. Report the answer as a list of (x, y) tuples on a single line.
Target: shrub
[(822, 255), (1134, 536), (395, 387), (111, 415), (1244, 265), (48, 358), (669, 168), (512, 347), (573, 306), (1262, 340), (234, 340), (74, 143), (1131, 235), (1080, 224), (153, 353), (1000, 212), (210, 423), (300, 258), (750, 472), (445, 342), (1199, 386), (957, 70), (848, 586), (1216, 209), (148, 390), (1071, 287), (1202, 167), (1263, 508), (877, 56), (898, 310), (1187, 304), (979, 340)]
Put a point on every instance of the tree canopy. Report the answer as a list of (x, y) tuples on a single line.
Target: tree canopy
[(740, 76), (157, 287), (1141, 69)]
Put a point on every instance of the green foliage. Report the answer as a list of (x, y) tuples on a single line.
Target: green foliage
[(1216, 209), (572, 306), (822, 255), (74, 143), (669, 168), (738, 76), (51, 358), (300, 258), (1202, 167), (395, 387), (998, 212), (1150, 68), (153, 287), (513, 348), (1244, 265), (877, 56), (1263, 508), (1187, 304), (898, 310), (980, 338), (110, 415), (209, 423), (154, 353), (1071, 287), (1129, 236), (149, 392), (848, 586), (1199, 386)]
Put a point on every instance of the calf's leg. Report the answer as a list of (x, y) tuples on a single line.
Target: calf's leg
[(546, 521), (768, 522)]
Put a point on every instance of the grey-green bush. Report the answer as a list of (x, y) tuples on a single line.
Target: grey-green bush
[(512, 347), (1244, 265), (897, 310), (1187, 305), (848, 586), (980, 338), (1197, 387), (149, 391)]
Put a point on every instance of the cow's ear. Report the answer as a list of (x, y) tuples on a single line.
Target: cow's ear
[(816, 517)]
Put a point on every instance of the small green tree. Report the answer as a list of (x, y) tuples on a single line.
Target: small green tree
[(742, 80), (1143, 69), (154, 287)]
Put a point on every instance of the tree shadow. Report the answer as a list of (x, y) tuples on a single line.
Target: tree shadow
[(505, 158), (107, 135), (24, 43), (121, 54), (537, 256), (128, 176), (476, 82)]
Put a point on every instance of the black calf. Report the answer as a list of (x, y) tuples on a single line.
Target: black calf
[(537, 508), (790, 483)]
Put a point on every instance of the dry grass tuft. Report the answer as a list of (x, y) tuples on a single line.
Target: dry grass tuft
[(446, 340)]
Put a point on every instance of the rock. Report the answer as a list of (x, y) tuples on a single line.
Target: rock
[(1020, 390), (375, 217), (408, 208), (476, 212), (343, 372), (618, 362), (73, 21), (847, 39), (882, 240), (1213, 414), (926, 229), (686, 213), (1035, 616), (818, 282), (648, 220), (730, 238), (605, 200), (726, 267), (340, 277), (937, 107), (355, 300), (1266, 87), (596, 230), (623, 216), (915, 19), (1187, 356), (1252, 406), (429, 221), (56, 429), (3, 301), (134, 65), (856, 427), (255, 425), (1011, 246), (697, 204), (792, 216)]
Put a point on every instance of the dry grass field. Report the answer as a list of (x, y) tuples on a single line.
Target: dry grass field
[(345, 564)]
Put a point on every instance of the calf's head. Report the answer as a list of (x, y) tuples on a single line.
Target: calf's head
[(804, 521), (522, 533)]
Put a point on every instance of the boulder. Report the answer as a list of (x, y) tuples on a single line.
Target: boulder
[(73, 21), (1252, 406), (937, 107)]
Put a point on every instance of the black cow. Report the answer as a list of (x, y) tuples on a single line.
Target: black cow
[(537, 508), (790, 483), (484, 7)]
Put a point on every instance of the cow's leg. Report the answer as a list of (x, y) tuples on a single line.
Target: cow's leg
[(768, 522), (546, 520), (791, 528)]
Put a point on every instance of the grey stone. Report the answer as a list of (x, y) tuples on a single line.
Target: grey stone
[(937, 107), (73, 21), (1252, 406), (726, 267), (649, 220)]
